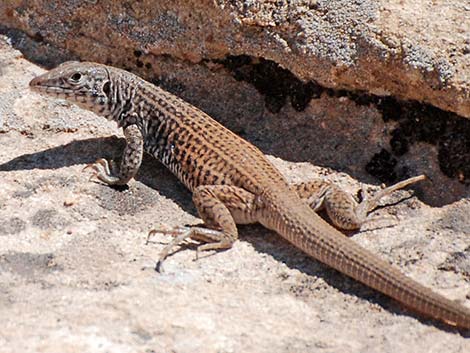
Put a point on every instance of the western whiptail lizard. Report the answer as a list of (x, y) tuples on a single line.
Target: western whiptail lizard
[(233, 182)]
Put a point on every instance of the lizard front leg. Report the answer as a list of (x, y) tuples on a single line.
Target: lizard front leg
[(220, 207), (343, 210), (130, 163)]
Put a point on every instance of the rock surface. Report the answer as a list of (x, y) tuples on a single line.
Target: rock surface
[(298, 79), (76, 275), (409, 49)]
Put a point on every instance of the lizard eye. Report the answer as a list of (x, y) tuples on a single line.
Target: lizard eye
[(76, 77)]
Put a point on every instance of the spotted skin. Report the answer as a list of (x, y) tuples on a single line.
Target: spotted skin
[(232, 181), (343, 210)]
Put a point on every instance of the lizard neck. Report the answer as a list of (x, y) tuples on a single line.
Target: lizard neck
[(121, 105)]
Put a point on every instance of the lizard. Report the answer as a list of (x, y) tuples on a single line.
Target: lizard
[(232, 181)]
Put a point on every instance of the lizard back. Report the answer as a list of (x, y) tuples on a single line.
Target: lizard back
[(201, 151)]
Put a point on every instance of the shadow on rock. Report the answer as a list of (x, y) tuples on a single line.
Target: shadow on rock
[(75, 152), (282, 251), (81, 152)]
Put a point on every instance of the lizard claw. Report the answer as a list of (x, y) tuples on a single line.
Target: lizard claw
[(102, 171), (159, 266), (162, 229), (101, 165), (93, 177), (150, 235), (180, 234)]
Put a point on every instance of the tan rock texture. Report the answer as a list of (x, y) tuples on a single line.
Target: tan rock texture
[(77, 276), (304, 80), (409, 49), (375, 89)]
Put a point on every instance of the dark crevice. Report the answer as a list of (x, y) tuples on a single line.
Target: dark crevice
[(382, 166), (278, 85), (417, 122)]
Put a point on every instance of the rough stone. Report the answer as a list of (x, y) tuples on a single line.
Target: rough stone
[(413, 50), (76, 274)]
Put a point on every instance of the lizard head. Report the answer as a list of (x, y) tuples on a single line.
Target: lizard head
[(86, 84)]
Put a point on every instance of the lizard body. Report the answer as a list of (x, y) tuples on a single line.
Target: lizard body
[(231, 180)]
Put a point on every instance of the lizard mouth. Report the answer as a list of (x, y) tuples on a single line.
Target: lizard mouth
[(37, 84), (50, 89)]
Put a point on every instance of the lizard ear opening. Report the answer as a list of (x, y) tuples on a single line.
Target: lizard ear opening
[(107, 88)]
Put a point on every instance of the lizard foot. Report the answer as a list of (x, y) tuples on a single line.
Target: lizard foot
[(214, 239), (369, 203), (103, 172)]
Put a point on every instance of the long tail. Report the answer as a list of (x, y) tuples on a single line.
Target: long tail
[(297, 223)]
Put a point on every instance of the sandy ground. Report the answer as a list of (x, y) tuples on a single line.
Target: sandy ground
[(76, 274)]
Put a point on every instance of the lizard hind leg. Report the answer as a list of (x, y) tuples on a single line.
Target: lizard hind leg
[(219, 206), (341, 207), (343, 210)]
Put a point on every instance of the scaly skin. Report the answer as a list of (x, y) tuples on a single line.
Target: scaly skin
[(231, 180)]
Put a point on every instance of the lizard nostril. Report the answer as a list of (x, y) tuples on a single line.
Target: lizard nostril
[(34, 82)]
